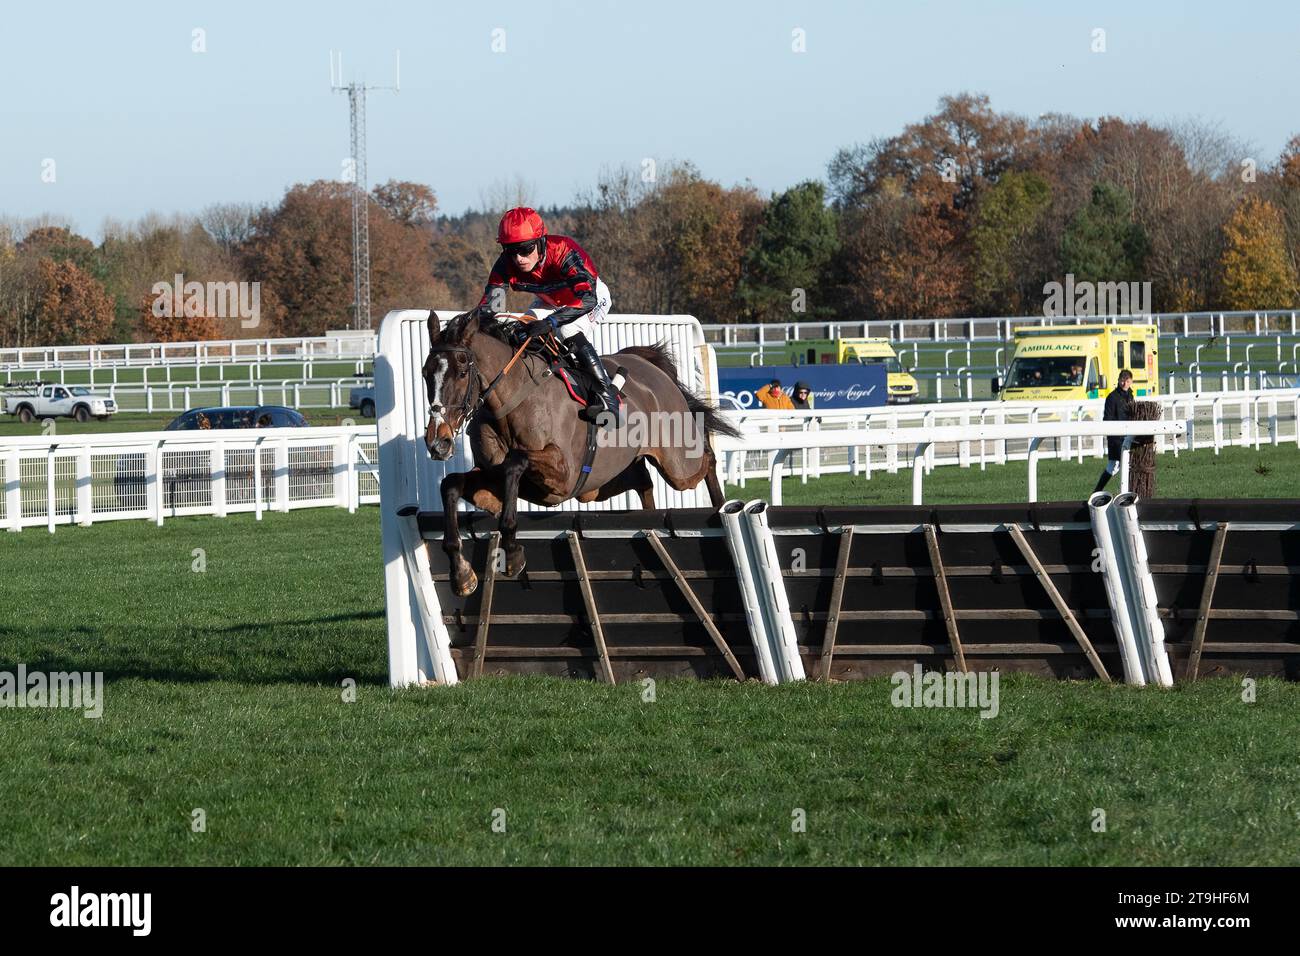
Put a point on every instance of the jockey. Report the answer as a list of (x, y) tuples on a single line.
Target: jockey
[(562, 277)]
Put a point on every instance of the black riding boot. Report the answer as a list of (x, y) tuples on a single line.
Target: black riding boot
[(606, 395)]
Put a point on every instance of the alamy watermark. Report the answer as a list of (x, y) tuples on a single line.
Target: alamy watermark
[(953, 689), (217, 300), (1088, 299), (685, 430), (76, 908), (74, 690)]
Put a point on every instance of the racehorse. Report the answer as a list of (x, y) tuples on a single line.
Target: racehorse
[(528, 440)]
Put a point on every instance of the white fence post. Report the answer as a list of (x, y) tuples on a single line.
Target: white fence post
[(51, 498), (155, 459), (257, 479), (85, 487), (1034, 443), (918, 471), (217, 462), (14, 490), (282, 475), (353, 481)]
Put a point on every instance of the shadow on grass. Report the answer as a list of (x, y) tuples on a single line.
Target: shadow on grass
[(246, 653)]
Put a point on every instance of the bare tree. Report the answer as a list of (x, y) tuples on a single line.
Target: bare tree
[(502, 195), (1209, 149), (229, 224)]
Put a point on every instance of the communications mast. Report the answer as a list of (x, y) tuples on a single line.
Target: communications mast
[(360, 209)]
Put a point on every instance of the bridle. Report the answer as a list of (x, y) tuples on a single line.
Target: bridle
[(469, 407)]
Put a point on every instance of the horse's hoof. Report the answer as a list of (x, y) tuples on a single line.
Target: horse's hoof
[(466, 586), (515, 562)]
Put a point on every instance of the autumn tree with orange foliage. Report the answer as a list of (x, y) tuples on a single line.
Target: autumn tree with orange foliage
[(411, 204), (166, 318), (72, 308), (907, 202), (1257, 273), (673, 244), (301, 252), (702, 231), (61, 245), (1286, 196)]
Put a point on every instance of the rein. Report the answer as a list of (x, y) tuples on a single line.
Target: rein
[(469, 407)]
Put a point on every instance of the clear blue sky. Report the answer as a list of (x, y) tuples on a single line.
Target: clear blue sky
[(135, 121)]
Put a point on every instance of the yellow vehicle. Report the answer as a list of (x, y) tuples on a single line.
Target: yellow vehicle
[(1079, 361), (902, 386)]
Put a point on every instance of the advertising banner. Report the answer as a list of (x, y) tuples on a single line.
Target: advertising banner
[(833, 386)]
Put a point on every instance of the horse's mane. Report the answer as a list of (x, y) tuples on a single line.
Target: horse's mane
[(458, 329)]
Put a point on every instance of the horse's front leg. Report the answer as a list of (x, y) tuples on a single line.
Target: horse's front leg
[(513, 469), (481, 486), (463, 578)]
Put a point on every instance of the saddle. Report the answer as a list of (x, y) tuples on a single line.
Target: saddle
[(577, 382), (579, 385)]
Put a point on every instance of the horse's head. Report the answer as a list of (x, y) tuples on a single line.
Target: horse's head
[(452, 382)]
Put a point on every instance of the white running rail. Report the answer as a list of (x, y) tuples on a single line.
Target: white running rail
[(1213, 420), (923, 439), (66, 479)]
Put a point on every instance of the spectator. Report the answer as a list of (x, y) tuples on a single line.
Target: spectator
[(1119, 408), (801, 399), (771, 396)]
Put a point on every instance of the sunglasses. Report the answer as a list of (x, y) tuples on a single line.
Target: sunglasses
[(522, 248)]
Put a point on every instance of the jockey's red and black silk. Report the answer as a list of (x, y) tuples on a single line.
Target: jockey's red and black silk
[(565, 279)]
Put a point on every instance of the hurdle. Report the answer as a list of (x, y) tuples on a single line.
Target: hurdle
[(410, 479), (621, 595)]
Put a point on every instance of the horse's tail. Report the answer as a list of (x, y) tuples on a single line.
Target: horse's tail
[(661, 358), (714, 423)]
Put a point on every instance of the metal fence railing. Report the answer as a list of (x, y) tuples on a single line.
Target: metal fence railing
[(1214, 420), (81, 479), (360, 346), (351, 347), (181, 398), (996, 328)]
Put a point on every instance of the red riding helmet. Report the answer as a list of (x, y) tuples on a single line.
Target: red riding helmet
[(520, 225)]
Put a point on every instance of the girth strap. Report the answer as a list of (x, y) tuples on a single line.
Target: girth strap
[(590, 457)]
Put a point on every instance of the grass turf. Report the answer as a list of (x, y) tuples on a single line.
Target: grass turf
[(223, 693)]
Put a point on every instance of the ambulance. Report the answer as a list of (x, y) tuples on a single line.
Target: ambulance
[(902, 386), (1079, 362)]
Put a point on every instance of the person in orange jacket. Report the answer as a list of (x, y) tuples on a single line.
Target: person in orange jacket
[(771, 396)]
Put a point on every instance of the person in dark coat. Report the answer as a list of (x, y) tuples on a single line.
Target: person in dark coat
[(1119, 408)]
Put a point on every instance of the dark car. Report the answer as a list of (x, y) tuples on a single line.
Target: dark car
[(238, 416), (186, 478)]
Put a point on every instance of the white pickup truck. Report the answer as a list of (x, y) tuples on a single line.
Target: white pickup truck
[(32, 400)]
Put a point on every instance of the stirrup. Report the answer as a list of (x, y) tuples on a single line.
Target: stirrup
[(598, 412)]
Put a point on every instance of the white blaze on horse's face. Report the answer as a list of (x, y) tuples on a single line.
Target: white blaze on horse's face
[(438, 377), (438, 437)]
